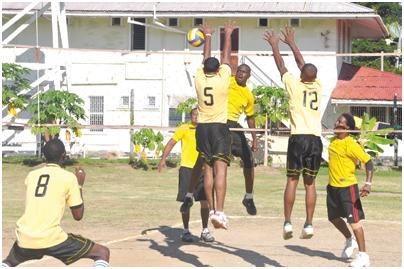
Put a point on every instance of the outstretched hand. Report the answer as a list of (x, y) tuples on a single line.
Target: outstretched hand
[(271, 38), (229, 26), (365, 190), (161, 165), (288, 36), (207, 29)]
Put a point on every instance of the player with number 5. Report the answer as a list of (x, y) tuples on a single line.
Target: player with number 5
[(304, 146), (213, 139)]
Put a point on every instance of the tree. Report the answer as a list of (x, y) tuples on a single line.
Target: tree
[(271, 103), (14, 81), (147, 139), (56, 107), (186, 107)]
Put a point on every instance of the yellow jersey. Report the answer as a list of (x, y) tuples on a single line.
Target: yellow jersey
[(304, 105), (343, 155), (49, 189), (240, 100), (212, 92), (189, 154)]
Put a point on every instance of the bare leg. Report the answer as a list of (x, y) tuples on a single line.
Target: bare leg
[(311, 197), (289, 196), (359, 235), (220, 168), (185, 219), (340, 224), (204, 214), (98, 252), (249, 179), (208, 184)]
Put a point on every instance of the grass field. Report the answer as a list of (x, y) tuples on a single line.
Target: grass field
[(120, 198)]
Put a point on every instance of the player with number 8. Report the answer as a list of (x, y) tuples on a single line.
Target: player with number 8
[(304, 146)]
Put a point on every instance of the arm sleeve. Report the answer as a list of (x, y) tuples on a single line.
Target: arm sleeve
[(225, 71), (179, 133), (357, 152), (199, 71), (249, 109), (73, 193)]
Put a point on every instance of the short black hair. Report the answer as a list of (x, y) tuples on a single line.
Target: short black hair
[(54, 150), (310, 70), (246, 66), (211, 65), (350, 121)]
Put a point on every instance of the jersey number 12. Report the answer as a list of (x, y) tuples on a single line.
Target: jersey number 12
[(314, 99)]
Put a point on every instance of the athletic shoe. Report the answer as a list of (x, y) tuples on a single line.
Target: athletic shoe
[(219, 220), (361, 260), (186, 237), (307, 232), (250, 206), (350, 246), (287, 230), (207, 237), (186, 205)]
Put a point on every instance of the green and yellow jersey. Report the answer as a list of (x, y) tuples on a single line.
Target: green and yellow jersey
[(186, 134), (212, 92), (49, 189), (304, 105), (240, 100), (343, 155)]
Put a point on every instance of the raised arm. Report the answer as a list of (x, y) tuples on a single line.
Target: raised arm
[(228, 30), (78, 211), (207, 31), (273, 40), (167, 149), (288, 38)]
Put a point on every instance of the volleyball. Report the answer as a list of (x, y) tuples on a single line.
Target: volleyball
[(195, 37)]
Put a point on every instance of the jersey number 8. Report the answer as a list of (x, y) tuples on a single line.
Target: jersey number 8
[(41, 186)]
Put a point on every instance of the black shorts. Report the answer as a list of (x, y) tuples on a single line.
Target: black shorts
[(304, 155), (239, 145), (213, 141), (344, 202), (185, 175), (72, 249)]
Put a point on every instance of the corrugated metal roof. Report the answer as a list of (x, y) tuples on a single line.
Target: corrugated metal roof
[(363, 83), (209, 7)]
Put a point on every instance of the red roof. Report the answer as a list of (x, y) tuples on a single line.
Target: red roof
[(363, 83)]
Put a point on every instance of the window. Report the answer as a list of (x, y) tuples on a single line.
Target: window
[(151, 101), (399, 116), (358, 111), (198, 21), (173, 22), (124, 101), (378, 112), (116, 21), (294, 22), (174, 119), (138, 35), (262, 22), (96, 112)]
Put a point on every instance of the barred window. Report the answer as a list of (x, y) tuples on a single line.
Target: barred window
[(358, 111), (96, 112), (174, 119), (378, 112)]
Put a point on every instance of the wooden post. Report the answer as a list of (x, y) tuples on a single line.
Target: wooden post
[(132, 122), (266, 142)]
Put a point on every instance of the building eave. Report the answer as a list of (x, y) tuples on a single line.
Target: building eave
[(351, 102)]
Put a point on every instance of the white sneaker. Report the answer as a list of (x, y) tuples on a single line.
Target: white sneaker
[(307, 232), (287, 231), (219, 220), (350, 246), (361, 260)]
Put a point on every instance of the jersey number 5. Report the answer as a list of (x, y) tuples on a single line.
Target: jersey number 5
[(42, 186), (314, 100), (209, 95)]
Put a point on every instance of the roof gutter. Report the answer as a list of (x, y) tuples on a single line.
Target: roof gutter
[(352, 102)]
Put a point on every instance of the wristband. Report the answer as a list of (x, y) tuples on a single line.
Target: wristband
[(208, 34), (368, 183)]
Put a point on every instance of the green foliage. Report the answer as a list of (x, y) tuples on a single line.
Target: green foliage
[(270, 101), (148, 139), (57, 107), (14, 81), (371, 140), (186, 106), (388, 11)]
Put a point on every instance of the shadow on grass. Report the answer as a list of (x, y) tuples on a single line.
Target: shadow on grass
[(314, 253), (172, 248)]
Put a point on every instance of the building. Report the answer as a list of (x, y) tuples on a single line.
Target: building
[(110, 49)]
